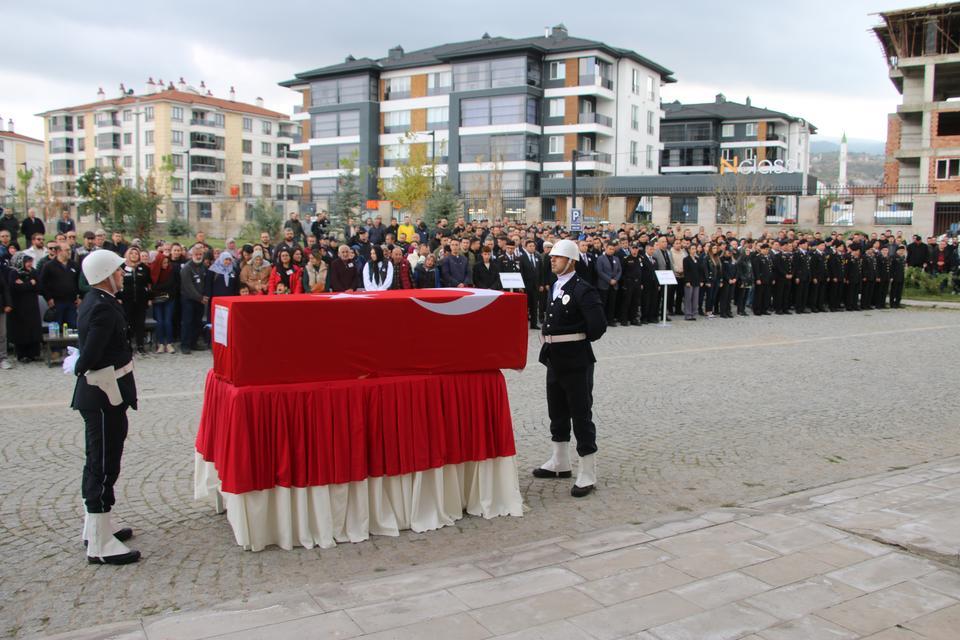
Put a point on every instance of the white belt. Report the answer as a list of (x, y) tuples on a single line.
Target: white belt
[(124, 370), (567, 337), (106, 380)]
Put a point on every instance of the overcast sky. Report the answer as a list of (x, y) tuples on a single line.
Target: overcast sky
[(817, 59)]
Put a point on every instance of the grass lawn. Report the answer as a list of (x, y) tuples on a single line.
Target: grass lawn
[(917, 294)]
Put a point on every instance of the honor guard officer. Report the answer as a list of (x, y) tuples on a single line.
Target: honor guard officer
[(105, 388), (574, 319)]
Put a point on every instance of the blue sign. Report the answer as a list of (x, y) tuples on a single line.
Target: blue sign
[(576, 219)]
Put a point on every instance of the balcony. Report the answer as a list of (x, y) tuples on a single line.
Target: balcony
[(205, 187), (203, 122), (396, 128), (594, 156), (595, 118), (101, 124), (202, 167), (775, 137), (594, 80), (292, 134), (298, 108), (395, 95), (439, 91)]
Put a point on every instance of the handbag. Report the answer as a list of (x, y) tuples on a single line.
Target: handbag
[(50, 315), (161, 297)]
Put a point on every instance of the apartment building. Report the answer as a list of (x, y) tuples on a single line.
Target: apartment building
[(697, 137), (224, 154), (498, 114), (17, 152), (922, 50)]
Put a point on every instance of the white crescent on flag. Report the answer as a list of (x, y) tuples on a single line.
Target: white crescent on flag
[(475, 301)]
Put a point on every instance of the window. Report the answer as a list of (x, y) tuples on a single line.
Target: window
[(128, 138), (247, 146), (948, 169), (60, 123), (265, 148), (948, 123), (556, 145), (635, 117), (81, 166), (219, 119), (204, 209), (148, 114), (497, 148), (726, 131), (329, 156), (556, 107), (177, 160), (396, 121), (513, 109), (247, 168), (594, 71), (61, 168), (396, 88), (343, 90), (490, 74), (176, 114), (81, 144), (651, 89), (683, 210), (751, 129), (128, 183), (177, 137), (247, 190), (148, 161), (322, 186), (267, 127), (558, 70), (649, 156), (635, 81), (438, 117), (127, 162), (439, 83), (634, 153), (80, 122), (176, 185), (265, 190), (59, 145), (148, 137), (650, 125), (749, 154), (395, 154), (266, 169), (248, 124), (127, 115), (727, 154)]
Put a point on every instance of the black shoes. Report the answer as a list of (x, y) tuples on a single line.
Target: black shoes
[(546, 473), (124, 558), (580, 492)]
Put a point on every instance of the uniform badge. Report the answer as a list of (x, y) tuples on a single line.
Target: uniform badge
[(565, 299)]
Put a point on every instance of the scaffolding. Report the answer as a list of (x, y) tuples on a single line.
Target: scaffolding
[(931, 30)]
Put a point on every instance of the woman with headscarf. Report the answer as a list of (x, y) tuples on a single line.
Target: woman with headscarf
[(221, 280), (163, 291), (135, 296), (256, 273), (24, 321), (285, 277), (378, 272)]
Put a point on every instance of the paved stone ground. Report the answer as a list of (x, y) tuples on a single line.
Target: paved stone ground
[(698, 416), (770, 571)]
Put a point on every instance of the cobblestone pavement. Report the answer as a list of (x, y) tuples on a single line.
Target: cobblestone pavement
[(701, 415)]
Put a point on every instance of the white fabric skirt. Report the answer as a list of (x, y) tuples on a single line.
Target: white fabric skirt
[(351, 512)]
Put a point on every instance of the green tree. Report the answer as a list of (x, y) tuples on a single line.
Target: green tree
[(98, 191), (414, 181), (24, 176), (442, 203), (135, 212), (265, 218), (347, 199)]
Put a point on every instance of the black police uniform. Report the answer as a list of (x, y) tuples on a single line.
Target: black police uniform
[(851, 276), (577, 309), (103, 343), (763, 273), (631, 288), (868, 271), (897, 272), (801, 280)]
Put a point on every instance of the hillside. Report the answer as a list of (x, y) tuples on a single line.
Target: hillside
[(862, 168)]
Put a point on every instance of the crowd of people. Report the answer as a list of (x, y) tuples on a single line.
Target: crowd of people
[(718, 274)]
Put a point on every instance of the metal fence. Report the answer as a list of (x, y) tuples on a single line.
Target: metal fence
[(889, 213)]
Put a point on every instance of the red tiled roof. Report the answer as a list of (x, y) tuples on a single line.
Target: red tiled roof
[(19, 136), (173, 95)]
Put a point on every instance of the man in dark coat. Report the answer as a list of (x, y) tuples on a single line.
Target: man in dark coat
[(575, 318), (105, 389), (530, 271), (31, 225)]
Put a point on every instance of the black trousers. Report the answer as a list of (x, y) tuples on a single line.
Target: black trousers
[(818, 296), (835, 295), (723, 299), (533, 299), (880, 294), (542, 306), (105, 432), (866, 294), (649, 310), (800, 290), (896, 293), (677, 293), (570, 401), (778, 294), (630, 302), (136, 324), (761, 299), (609, 298), (740, 298), (853, 295)]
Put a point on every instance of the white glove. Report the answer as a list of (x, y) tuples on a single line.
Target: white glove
[(70, 362)]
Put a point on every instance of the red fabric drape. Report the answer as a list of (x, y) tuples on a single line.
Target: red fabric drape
[(318, 433)]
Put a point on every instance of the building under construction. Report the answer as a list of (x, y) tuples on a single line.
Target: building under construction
[(922, 49)]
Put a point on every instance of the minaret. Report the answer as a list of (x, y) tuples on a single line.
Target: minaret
[(842, 178)]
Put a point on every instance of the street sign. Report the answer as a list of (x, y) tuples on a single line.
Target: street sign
[(576, 219), (666, 277)]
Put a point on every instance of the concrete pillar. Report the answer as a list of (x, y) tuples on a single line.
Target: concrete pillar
[(707, 212), (617, 210), (924, 208), (534, 207), (661, 211), (756, 214), (808, 212), (863, 209), (929, 75)]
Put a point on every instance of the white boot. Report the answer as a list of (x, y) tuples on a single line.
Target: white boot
[(586, 476), (113, 526), (558, 466), (102, 546)]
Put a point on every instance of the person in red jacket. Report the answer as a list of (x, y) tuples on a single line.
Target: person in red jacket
[(286, 277), (402, 273)]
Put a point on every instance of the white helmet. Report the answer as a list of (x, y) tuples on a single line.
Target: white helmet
[(100, 265), (566, 249)]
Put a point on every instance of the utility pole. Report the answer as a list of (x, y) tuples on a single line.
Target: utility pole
[(573, 178), (136, 114), (433, 160), (186, 212)]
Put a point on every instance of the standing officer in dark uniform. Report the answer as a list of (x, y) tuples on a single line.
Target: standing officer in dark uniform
[(530, 271), (778, 281), (763, 272), (801, 277), (851, 278), (575, 318), (884, 266), (868, 270), (105, 388), (631, 287), (897, 272), (836, 266), (818, 278)]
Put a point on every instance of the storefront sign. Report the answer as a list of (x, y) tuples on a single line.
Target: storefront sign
[(748, 167)]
